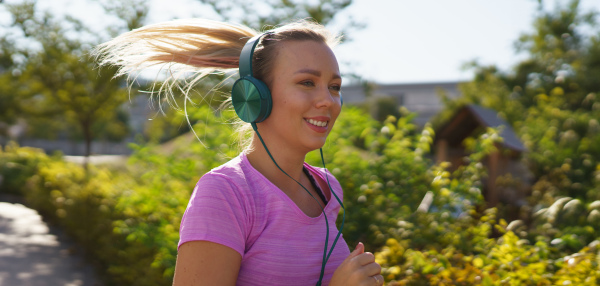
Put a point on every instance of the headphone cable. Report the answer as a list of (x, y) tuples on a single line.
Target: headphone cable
[(325, 254)]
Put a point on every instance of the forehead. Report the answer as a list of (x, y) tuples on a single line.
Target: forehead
[(295, 55)]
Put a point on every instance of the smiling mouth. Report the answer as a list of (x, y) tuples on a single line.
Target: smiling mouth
[(317, 123)]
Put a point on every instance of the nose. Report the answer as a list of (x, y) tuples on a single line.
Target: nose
[(326, 97)]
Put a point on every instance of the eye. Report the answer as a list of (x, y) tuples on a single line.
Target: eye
[(307, 83), (335, 88)]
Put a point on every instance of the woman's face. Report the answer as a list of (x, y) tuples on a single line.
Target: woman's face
[(305, 86)]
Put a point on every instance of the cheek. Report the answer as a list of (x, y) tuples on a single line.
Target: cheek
[(279, 96), (291, 100), (334, 116), (338, 109)]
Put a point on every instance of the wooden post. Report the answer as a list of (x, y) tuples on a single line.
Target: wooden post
[(442, 151)]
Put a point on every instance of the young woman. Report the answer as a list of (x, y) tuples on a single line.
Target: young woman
[(263, 217)]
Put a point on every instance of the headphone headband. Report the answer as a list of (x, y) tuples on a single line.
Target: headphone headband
[(247, 53)]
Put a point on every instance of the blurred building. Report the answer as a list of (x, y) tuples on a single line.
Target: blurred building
[(422, 98), (138, 109)]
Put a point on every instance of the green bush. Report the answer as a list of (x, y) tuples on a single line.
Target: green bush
[(17, 164), (127, 218)]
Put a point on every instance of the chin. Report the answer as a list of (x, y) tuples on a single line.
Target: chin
[(316, 145)]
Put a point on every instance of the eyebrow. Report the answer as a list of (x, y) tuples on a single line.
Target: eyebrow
[(315, 72)]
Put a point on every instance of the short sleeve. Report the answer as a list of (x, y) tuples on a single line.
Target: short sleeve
[(215, 213)]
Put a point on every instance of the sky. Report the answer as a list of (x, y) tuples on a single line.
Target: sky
[(430, 40), (405, 41)]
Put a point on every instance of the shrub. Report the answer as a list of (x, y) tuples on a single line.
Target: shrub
[(127, 218), (17, 164)]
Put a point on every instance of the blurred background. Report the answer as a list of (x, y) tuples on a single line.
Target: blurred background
[(469, 147)]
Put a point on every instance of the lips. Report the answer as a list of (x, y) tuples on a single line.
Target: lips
[(318, 124)]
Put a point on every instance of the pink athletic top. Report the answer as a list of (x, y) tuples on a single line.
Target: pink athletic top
[(236, 206)]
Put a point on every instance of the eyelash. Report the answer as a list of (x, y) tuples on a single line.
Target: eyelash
[(310, 83)]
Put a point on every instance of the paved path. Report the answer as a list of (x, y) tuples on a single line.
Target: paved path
[(35, 254)]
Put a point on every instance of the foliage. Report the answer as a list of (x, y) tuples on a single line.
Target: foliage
[(551, 101), (9, 87), (127, 218), (507, 260), (425, 224), (373, 161), (58, 89), (55, 85), (552, 104), (17, 165)]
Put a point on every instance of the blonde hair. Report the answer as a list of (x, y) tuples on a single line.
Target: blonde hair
[(191, 49)]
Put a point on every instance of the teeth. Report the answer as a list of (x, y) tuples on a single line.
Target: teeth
[(317, 123)]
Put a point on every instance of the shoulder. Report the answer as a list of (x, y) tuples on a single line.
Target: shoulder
[(220, 209), (224, 183), (235, 178), (232, 169), (228, 175)]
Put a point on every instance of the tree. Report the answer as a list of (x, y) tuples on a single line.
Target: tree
[(563, 51), (552, 99), (278, 11), (58, 81), (9, 109), (561, 55)]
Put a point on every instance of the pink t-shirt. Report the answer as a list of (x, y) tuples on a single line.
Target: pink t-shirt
[(236, 206)]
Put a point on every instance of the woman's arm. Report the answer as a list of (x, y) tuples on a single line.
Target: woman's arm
[(206, 263)]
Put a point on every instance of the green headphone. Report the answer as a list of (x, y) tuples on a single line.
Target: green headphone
[(251, 97)]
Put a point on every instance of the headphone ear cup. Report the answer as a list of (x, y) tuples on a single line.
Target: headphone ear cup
[(251, 99), (341, 99)]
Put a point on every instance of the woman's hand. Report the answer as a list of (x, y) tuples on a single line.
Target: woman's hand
[(359, 268)]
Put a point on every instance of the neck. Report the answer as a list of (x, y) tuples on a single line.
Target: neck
[(291, 161)]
